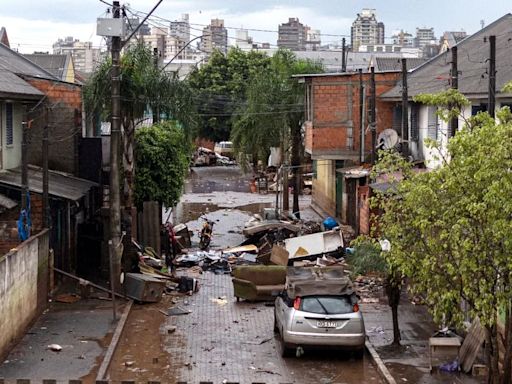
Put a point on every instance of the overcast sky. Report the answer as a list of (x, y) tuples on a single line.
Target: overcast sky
[(36, 25)]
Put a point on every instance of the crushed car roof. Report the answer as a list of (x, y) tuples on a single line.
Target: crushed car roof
[(317, 281)]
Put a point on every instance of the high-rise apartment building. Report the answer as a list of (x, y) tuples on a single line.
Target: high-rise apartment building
[(85, 56), (215, 36), (292, 35), (366, 30), (404, 39), (181, 28), (424, 37), (313, 39), (243, 40)]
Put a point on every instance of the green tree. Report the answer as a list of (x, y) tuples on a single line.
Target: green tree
[(450, 229), (143, 86), (219, 88), (161, 159), (368, 256), (274, 112)]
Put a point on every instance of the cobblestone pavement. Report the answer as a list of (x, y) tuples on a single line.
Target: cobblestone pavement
[(224, 340)]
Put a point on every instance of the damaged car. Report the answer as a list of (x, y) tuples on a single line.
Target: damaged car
[(318, 309)]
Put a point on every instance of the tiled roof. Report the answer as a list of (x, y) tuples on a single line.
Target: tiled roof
[(473, 52)]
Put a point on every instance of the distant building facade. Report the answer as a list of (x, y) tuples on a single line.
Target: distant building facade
[(424, 37), (366, 30), (292, 35), (243, 40), (404, 39), (180, 29), (85, 56), (215, 36), (313, 39)]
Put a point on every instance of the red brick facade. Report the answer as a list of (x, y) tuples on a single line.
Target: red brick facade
[(65, 125), (334, 127)]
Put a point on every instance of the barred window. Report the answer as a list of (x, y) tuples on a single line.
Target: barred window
[(9, 134)]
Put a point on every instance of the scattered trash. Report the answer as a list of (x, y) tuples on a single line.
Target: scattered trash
[(175, 311), (129, 363), (220, 300), (54, 347), (81, 357), (370, 300), (171, 329), (378, 330), (67, 298), (259, 342), (449, 367)]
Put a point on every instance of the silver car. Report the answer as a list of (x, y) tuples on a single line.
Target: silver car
[(321, 313)]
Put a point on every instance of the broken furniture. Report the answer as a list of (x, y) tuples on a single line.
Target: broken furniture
[(258, 282), (442, 350), (308, 247), (143, 288)]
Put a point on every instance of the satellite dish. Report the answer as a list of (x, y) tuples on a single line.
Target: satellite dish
[(387, 139)]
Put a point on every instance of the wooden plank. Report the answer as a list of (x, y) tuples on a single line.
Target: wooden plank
[(471, 345), (113, 344)]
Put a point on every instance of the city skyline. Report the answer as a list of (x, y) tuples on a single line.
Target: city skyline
[(35, 27)]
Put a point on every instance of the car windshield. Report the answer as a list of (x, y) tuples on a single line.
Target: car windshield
[(329, 305)]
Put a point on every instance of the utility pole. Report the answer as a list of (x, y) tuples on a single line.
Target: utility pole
[(454, 126), (405, 111), (286, 194), (343, 57), (156, 111), (115, 135), (24, 161), (46, 216), (492, 77), (373, 114), (361, 116)]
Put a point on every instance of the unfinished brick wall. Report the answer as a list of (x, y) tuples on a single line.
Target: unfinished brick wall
[(335, 129), (65, 125), (9, 237)]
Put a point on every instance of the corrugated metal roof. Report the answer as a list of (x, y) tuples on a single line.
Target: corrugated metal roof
[(14, 62), (55, 64), (59, 184), (473, 52), (13, 86), (386, 64)]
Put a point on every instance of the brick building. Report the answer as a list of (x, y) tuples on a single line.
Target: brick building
[(333, 139)]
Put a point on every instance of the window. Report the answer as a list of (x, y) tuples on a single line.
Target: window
[(478, 108), (397, 119), (432, 123), (327, 305), (415, 114), (9, 134)]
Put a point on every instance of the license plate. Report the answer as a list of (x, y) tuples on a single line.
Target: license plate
[(326, 324)]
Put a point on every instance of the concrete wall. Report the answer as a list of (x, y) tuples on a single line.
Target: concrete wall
[(11, 154), (324, 186), (23, 288)]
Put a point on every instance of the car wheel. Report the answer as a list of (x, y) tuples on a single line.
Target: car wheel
[(276, 329), (285, 351)]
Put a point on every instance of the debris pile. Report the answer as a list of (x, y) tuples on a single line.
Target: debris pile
[(369, 286)]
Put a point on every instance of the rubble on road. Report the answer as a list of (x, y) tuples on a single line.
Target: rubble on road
[(368, 286)]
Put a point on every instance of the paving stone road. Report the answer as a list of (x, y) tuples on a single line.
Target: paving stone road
[(224, 340)]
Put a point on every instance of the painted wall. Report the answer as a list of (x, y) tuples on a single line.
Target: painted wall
[(11, 154), (23, 288), (324, 186)]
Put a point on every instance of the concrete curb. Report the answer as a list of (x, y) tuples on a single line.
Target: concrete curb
[(381, 367), (113, 344)]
